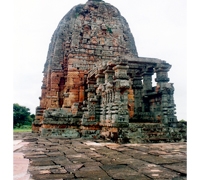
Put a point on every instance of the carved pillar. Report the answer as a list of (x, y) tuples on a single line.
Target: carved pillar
[(100, 108), (167, 104), (91, 98), (162, 73), (137, 88), (147, 87), (120, 109), (167, 90), (100, 78), (109, 74), (162, 78), (147, 79), (89, 116), (131, 102)]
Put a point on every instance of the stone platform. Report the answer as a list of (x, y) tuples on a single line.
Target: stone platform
[(62, 158)]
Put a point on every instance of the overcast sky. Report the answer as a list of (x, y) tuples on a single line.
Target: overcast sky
[(158, 26)]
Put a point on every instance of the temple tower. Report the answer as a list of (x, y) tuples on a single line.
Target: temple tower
[(87, 35), (95, 84)]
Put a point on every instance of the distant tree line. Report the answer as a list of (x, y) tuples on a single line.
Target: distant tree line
[(22, 116)]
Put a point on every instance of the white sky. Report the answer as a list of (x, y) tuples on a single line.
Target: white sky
[(158, 26)]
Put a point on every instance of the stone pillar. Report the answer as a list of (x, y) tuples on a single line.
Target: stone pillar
[(167, 104), (117, 98), (100, 78), (100, 108), (89, 116), (162, 79), (162, 73), (137, 88), (120, 110), (109, 74), (167, 90), (147, 87), (131, 102), (147, 79), (91, 99)]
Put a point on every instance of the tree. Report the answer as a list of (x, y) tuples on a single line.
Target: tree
[(21, 115), (182, 120)]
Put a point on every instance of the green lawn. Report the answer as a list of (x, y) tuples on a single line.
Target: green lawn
[(21, 130)]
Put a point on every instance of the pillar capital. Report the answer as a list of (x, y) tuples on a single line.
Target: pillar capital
[(162, 67), (162, 72), (147, 70)]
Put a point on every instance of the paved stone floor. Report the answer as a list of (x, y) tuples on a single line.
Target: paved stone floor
[(61, 159), (20, 164)]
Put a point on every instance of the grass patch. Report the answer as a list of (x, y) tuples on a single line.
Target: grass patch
[(24, 128), (21, 130)]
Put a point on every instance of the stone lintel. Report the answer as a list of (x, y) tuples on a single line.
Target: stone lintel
[(163, 67), (91, 81), (147, 73), (146, 60), (120, 67), (108, 71), (100, 76)]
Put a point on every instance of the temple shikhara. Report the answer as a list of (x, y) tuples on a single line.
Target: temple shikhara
[(96, 86)]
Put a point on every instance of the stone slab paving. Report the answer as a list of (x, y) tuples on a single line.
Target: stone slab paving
[(61, 159), (20, 164)]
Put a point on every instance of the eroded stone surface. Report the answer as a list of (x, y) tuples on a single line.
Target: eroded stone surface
[(106, 160), (20, 164), (96, 86)]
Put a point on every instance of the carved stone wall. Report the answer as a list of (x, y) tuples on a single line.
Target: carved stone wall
[(95, 84)]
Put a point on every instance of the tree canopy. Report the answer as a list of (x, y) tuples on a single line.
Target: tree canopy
[(21, 116)]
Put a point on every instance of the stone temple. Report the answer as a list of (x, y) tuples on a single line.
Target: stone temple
[(96, 86)]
